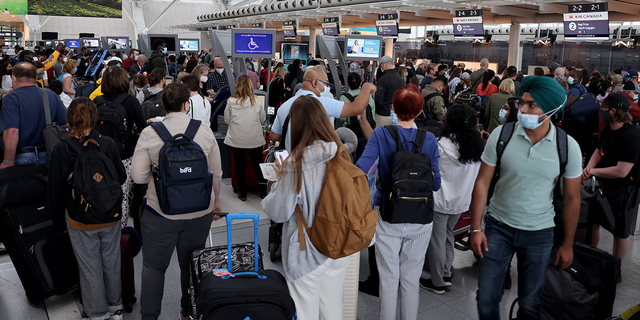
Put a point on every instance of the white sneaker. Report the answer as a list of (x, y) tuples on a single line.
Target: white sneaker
[(116, 315)]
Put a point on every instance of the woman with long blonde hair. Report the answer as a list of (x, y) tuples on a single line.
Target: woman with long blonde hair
[(245, 115), (315, 281)]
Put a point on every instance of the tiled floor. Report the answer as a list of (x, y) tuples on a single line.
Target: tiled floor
[(457, 303)]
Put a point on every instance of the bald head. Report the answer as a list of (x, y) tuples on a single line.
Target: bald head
[(25, 74), (314, 80), (484, 63), (218, 63)]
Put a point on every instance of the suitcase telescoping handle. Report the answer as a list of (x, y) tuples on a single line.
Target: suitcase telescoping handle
[(243, 216)]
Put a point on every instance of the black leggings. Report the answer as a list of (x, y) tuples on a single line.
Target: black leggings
[(240, 161)]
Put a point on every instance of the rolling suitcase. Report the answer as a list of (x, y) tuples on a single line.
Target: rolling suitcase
[(42, 254), (257, 294)]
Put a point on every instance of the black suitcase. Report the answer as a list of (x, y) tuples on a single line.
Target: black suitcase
[(586, 290), (42, 255), (259, 294), (23, 184)]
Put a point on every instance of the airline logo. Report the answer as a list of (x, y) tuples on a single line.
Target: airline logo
[(589, 16), (467, 20)]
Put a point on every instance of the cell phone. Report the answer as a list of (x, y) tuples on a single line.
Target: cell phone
[(221, 214), (480, 127)]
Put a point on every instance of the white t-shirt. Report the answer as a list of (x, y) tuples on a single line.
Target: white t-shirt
[(200, 109), (7, 83)]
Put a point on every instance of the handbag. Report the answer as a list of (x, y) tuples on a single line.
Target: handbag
[(52, 132), (606, 218)]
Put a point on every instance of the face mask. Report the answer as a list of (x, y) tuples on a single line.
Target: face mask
[(605, 115), (446, 74), (204, 79), (135, 58), (75, 69), (35, 59), (65, 59), (164, 50), (124, 57), (570, 80), (138, 89), (4, 50), (220, 70), (503, 115), (635, 97), (530, 121)]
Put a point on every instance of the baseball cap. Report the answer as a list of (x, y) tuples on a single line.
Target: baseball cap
[(114, 62), (386, 59), (628, 86), (465, 76), (631, 74), (618, 101), (553, 66), (617, 78)]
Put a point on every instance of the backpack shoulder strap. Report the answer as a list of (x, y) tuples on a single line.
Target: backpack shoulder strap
[(417, 144), (47, 109), (121, 98), (505, 135), (349, 96), (563, 149), (429, 96), (162, 131), (146, 93), (393, 131), (285, 128), (73, 144), (192, 128)]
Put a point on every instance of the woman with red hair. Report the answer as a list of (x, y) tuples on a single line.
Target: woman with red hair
[(400, 247)]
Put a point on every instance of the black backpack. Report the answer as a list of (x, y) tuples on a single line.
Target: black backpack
[(182, 178), (354, 124), (96, 191), (152, 104), (407, 197), (423, 121), (86, 90), (112, 122)]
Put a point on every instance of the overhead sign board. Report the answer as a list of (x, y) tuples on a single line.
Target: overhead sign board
[(469, 13), (289, 31), (257, 25), (330, 29), (388, 16), (468, 28), (387, 27), (586, 26), (331, 19), (588, 7), (289, 23)]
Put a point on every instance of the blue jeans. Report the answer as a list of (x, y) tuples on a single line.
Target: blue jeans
[(32, 158), (534, 252)]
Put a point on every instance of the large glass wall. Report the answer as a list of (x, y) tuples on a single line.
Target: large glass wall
[(592, 56)]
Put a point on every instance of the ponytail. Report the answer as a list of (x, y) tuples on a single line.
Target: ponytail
[(82, 116)]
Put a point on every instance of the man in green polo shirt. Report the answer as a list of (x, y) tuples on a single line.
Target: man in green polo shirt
[(520, 214)]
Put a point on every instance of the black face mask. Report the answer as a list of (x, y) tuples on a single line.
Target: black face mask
[(10, 72)]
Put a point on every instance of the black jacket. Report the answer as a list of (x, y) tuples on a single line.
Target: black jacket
[(388, 84), (134, 116), (62, 161), (276, 92)]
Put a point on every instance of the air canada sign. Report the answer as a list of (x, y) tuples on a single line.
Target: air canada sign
[(586, 26)]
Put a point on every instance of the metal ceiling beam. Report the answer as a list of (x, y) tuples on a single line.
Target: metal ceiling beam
[(162, 14), (624, 7)]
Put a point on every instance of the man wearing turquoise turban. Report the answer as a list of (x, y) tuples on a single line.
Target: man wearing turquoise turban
[(520, 213)]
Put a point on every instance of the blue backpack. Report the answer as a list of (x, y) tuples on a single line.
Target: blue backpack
[(182, 178)]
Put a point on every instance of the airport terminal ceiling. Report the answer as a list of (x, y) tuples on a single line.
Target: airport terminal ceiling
[(359, 13)]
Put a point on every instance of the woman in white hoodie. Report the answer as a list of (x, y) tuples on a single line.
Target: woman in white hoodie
[(315, 281), (460, 146)]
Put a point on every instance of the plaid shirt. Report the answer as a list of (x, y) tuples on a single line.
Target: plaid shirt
[(217, 81)]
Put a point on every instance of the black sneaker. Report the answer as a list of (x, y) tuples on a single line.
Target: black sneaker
[(427, 284), (447, 281), (369, 287)]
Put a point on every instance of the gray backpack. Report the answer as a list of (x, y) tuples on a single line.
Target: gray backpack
[(152, 104)]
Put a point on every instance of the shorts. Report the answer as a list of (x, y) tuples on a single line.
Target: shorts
[(622, 200)]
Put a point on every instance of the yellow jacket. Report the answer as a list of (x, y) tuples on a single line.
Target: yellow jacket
[(48, 64), (98, 91)]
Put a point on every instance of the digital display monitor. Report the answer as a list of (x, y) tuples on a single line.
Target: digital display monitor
[(292, 51), (49, 35), (91, 42), (289, 31), (358, 47), (387, 27), (330, 29), (189, 45), (73, 44), (468, 28), (170, 39), (586, 26), (117, 43), (253, 43)]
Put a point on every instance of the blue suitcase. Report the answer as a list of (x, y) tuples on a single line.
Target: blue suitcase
[(257, 294)]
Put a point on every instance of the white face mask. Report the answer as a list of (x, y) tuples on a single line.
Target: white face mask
[(125, 57), (326, 93), (65, 59), (570, 80), (203, 78), (220, 70)]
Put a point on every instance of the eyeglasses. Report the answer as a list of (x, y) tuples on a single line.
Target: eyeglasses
[(529, 104), (326, 83)]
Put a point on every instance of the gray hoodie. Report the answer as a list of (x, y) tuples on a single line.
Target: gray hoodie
[(281, 203)]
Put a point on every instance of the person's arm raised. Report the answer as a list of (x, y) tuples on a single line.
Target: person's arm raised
[(356, 107)]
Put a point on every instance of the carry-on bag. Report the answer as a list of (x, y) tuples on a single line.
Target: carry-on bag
[(42, 254), (255, 294), (130, 246)]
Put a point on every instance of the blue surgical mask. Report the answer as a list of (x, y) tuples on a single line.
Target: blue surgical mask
[(570, 80), (530, 121), (446, 74), (503, 115), (75, 69), (4, 50), (635, 97), (164, 50), (136, 58)]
